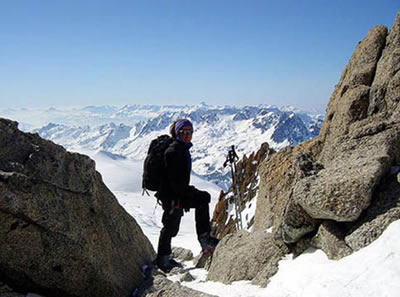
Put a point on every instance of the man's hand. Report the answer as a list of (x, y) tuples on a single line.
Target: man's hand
[(203, 195)]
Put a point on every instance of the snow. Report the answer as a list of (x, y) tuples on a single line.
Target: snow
[(372, 271)]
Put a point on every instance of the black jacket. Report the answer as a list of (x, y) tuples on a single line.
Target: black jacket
[(176, 179)]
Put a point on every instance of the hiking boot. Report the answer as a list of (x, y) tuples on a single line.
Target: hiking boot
[(175, 263), (207, 242), (166, 264)]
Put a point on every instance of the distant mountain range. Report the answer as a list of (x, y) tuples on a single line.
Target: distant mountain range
[(127, 131)]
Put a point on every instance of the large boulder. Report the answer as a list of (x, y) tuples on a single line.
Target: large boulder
[(62, 232), (246, 256)]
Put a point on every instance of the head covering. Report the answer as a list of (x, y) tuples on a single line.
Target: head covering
[(180, 124)]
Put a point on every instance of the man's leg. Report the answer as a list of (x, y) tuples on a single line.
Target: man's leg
[(171, 222), (203, 227), (202, 218)]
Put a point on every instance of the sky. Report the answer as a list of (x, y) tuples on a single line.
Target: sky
[(103, 52)]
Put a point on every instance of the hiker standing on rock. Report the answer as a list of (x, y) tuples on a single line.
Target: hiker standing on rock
[(176, 195)]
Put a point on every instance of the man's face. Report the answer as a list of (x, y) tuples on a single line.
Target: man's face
[(185, 134)]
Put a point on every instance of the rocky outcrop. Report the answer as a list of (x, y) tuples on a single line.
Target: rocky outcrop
[(246, 175), (62, 232), (339, 191)]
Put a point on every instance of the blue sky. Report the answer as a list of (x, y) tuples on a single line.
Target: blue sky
[(95, 52)]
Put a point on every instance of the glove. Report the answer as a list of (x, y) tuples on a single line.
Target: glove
[(205, 196)]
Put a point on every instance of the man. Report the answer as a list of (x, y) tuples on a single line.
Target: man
[(177, 195)]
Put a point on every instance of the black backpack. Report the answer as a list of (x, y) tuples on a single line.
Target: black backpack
[(153, 167)]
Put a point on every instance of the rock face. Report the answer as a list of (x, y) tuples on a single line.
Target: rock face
[(62, 232), (339, 191)]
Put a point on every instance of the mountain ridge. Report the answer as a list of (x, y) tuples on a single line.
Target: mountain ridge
[(217, 128)]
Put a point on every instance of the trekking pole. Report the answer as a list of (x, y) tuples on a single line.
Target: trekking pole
[(231, 159)]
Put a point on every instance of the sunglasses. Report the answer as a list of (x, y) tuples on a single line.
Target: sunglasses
[(185, 132)]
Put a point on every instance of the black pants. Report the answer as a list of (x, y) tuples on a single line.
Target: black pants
[(172, 219)]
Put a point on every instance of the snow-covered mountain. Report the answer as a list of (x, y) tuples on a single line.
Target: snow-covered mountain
[(217, 128)]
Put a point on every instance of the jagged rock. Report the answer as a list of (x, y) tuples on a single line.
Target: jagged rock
[(222, 223), (350, 96), (246, 176), (246, 256), (182, 254), (385, 88), (62, 232), (330, 239), (162, 286), (336, 191)]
